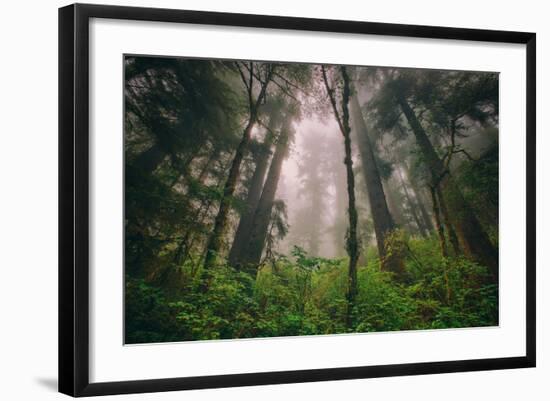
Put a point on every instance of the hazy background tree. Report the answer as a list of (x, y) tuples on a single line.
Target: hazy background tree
[(310, 222)]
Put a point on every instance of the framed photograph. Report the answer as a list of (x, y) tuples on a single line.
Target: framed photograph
[(250, 199)]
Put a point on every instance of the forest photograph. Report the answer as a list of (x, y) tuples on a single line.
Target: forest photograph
[(270, 199)]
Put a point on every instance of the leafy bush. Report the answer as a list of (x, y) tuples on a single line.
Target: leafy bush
[(304, 295)]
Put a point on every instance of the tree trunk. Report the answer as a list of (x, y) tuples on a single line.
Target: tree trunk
[(393, 206), (439, 226), (313, 238), (252, 199), (352, 244), (252, 251), (453, 239), (244, 229), (473, 240), (339, 224), (412, 205), (216, 239), (382, 220), (426, 219)]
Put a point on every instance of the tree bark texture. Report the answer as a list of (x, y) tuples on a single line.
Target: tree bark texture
[(381, 217), (253, 249)]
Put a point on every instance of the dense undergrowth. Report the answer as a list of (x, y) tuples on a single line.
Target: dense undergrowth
[(302, 295)]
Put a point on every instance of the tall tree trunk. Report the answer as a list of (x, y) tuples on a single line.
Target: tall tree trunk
[(261, 159), (393, 206), (439, 226), (352, 241), (339, 224), (442, 242), (252, 251), (412, 205), (216, 239), (472, 238), (252, 199), (381, 217), (315, 210), (426, 219), (453, 239)]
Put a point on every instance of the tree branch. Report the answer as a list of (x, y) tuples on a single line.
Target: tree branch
[(245, 82), (288, 82), (332, 99)]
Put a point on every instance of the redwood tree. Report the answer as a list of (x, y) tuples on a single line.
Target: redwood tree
[(252, 251), (381, 217), (342, 115), (252, 75)]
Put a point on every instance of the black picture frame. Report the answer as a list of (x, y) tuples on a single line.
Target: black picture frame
[(74, 198)]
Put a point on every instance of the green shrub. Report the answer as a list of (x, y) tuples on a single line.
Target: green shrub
[(303, 295)]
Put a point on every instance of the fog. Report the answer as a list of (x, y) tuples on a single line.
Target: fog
[(294, 172)]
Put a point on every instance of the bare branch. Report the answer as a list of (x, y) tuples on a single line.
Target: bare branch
[(261, 95), (330, 93), (290, 83), (285, 90), (245, 82), (469, 156), (251, 82)]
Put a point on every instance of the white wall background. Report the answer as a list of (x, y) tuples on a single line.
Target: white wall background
[(28, 200)]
